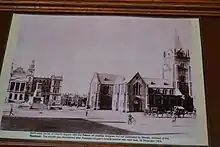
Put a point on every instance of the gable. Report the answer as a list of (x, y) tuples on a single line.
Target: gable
[(105, 78), (94, 79), (19, 72), (137, 78)]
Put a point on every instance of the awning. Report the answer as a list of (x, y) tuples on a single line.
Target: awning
[(177, 92), (179, 107), (137, 96)]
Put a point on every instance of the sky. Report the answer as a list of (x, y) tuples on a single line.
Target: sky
[(78, 46)]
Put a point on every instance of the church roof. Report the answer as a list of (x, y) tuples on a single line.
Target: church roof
[(106, 78), (158, 83)]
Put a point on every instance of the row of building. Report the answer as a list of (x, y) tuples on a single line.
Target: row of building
[(70, 99), (138, 93), (25, 86)]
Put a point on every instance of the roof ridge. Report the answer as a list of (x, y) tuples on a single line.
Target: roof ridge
[(109, 74), (154, 78)]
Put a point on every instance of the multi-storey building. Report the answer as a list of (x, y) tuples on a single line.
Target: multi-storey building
[(17, 85), (22, 86)]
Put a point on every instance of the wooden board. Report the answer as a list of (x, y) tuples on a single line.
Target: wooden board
[(207, 10), (120, 7)]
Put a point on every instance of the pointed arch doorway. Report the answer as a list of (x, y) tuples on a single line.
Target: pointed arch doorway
[(137, 104)]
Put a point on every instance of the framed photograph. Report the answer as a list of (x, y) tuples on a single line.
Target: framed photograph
[(130, 79)]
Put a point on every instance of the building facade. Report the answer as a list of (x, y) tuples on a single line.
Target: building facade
[(17, 85), (23, 85), (137, 93)]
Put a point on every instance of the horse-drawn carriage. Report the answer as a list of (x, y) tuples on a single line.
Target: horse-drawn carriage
[(178, 111)]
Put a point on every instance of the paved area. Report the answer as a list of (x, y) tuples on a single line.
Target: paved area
[(74, 120)]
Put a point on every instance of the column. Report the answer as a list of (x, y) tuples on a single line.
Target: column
[(189, 81), (127, 103), (97, 97)]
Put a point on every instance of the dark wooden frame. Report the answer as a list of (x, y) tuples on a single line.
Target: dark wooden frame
[(207, 10)]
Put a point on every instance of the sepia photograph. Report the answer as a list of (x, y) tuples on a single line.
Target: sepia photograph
[(103, 75)]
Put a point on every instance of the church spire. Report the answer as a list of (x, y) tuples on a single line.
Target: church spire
[(177, 43)]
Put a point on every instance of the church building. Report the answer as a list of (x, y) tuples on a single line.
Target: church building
[(138, 93)]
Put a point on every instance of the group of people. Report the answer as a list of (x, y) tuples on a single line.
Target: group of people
[(131, 119)]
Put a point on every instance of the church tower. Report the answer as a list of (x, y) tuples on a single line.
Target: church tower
[(178, 69), (30, 76)]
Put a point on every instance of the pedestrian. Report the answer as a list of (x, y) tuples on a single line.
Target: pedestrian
[(86, 113), (11, 110), (130, 118), (174, 118)]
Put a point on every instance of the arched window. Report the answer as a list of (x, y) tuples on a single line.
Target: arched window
[(10, 96), (137, 88), (12, 85), (182, 78), (21, 97), (15, 96), (165, 91)]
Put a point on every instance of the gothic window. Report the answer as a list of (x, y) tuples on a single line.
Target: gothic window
[(10, 96), (22, 86), (182, 78), (15, 96), (165, 91), (12, 86), (17, 86), (21, 97), (137, 88)]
